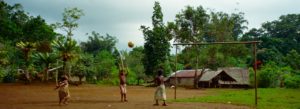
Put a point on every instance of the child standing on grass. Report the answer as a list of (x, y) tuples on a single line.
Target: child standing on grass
[(63, 92), (160, 93), (122, 77)]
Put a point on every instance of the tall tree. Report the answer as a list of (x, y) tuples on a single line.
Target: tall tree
[(70, 18), (157, 46), (221, 27), (36, 29), (12, 20), (66, 45), (194, 25), (190, 25), (97, 43), (16, 25), (287, 30), (279, 37), (191, 28), (252, 34), (239, 25)]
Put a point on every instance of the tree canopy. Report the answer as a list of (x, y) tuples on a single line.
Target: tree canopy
[(97, 43), (29, 43), (157, 45)]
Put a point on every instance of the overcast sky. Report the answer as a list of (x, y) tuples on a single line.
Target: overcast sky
[(123, 18)]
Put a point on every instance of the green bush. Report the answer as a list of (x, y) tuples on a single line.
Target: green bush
[(2, 74), (268, 76), (9, 78), (292, 81), (274, 76), (251, 77), (109, 81)]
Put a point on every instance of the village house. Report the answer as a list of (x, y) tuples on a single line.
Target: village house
[(223, 77), (185, 78)]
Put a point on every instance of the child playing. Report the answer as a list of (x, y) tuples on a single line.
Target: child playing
[(122, 77), (63, 92), (160, 93)]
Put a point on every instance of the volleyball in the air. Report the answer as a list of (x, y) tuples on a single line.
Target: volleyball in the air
[(130, 44)]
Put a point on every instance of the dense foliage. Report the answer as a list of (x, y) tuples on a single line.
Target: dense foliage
[(279, 50), (157, 45), (30, 49)]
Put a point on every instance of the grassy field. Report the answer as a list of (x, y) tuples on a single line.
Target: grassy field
[(269, 98)]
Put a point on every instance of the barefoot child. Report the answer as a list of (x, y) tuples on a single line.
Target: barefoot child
[(160, 93), (63, 92), (122, 77)]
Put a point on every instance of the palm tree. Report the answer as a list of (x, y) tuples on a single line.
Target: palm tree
[(68, 50), (46, 59), (26, 48)]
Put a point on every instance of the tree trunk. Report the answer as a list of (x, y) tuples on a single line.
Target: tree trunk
[(196, 76), (27, 77), (138, 81), (195, 80), (65, 67), (201, 74), (45, 76), (69, 70), (281, 83), (80, 79)]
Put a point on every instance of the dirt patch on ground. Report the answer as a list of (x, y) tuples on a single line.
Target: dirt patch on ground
[(41, 96)]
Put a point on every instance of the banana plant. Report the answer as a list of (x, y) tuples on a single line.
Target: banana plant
[(26, 48), (67, 49), (45, 59)]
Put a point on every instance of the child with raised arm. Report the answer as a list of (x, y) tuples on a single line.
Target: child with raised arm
[(160, 93), (123, 91), (63, 92)]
